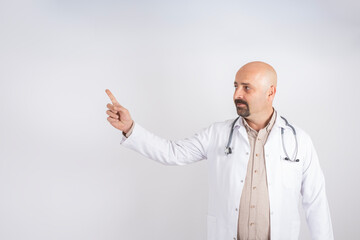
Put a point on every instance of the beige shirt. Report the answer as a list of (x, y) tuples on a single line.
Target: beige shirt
[(254, 218)]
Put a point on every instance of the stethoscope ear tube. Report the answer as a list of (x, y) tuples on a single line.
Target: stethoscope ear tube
[(288, 159)]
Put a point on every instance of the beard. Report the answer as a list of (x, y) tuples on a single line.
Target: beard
[(242, 111)]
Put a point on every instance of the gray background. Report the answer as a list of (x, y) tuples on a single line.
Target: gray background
[(63, 173)]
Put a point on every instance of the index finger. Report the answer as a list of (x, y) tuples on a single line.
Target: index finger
[(111, 96)]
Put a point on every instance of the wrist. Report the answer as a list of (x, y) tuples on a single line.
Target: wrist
[(128, 130)]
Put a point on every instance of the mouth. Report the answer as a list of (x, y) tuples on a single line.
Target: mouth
[(240, 105)]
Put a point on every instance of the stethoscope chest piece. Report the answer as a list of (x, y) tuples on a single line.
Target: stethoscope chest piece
[(228, 151)]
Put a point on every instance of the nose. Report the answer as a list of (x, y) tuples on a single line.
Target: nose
[(239, 93)]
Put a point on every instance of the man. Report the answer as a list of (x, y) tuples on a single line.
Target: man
[(254, 185)]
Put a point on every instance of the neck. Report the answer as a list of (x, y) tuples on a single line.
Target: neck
[(260, 120)]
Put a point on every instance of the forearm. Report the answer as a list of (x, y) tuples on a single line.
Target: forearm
[(167, 152)]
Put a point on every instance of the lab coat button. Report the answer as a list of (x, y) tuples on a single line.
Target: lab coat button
[(234, 238), (271, 212), (236, 209), (242, 181), (247, 153)]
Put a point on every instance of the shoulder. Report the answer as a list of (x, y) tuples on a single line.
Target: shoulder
[(223, 124), (219, 127)]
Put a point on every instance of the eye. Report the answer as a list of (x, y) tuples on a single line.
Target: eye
[(247, 87)]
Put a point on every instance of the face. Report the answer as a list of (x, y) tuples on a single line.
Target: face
[(250, 95)]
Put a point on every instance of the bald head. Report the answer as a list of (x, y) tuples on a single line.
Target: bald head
[(261, 72), (255, 88)]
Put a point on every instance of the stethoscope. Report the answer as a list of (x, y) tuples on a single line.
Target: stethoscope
[(294, 159)]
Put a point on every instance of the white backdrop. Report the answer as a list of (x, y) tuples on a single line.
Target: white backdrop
[(63, 173)]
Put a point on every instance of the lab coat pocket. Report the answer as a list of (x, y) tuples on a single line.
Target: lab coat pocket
[(211, 227), (291, 173)]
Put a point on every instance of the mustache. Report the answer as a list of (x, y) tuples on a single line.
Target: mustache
[(241, 102)]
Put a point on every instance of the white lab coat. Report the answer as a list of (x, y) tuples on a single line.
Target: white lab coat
[(287, 181)]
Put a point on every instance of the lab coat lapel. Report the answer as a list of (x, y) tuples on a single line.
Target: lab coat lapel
[(272, 150), (243, 133)]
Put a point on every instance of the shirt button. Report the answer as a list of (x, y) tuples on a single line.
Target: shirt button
[(255, 171), (252, 206), (256, 154), (254, 188), (251, 224)]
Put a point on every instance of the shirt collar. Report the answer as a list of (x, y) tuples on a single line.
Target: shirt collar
[(276, 117)]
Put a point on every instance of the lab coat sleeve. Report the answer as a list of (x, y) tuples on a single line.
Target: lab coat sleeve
[(168, 152), (314, 199)]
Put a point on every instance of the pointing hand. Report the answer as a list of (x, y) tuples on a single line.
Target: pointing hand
[(119, 117)]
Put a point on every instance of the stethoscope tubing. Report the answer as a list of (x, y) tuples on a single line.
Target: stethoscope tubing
[(293, 159), (228, 148)]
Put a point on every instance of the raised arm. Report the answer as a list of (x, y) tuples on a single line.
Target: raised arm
[(167, 152)]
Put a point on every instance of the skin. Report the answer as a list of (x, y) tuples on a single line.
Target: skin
[(255, 88), (119, 117)]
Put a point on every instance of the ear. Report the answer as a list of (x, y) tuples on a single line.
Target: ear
[(271, 92)]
